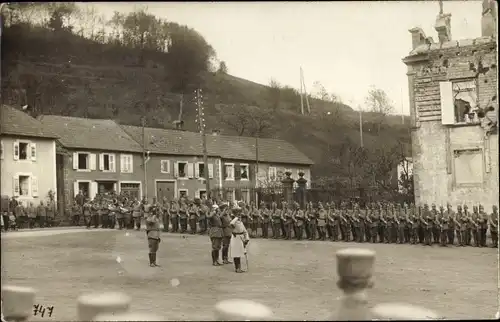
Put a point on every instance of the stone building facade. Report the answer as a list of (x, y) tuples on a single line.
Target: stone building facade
[(454, 112)]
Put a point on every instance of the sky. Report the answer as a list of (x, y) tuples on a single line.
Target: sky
[(346, 46)]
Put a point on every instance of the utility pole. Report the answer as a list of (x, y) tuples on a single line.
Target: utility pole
[(201, 122), (144, 156), (360, 126)]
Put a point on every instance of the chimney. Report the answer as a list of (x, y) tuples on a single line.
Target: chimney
[(417, 37), (488, 19), (179, 125), (443, 27), (215, 132)]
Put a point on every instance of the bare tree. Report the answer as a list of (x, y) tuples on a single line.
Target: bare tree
[(380, 104), (274, 93), (246, 120)]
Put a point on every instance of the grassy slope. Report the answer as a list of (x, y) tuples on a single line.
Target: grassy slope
[(100, 76), (296, 279)]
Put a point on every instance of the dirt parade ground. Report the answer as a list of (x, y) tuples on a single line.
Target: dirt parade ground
[(297, 279)]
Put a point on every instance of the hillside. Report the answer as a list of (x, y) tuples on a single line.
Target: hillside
[(62, 73)]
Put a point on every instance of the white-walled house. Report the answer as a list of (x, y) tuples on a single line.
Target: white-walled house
[(28, 157)]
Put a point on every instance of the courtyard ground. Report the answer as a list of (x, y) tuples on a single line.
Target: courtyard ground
[(296, 279)]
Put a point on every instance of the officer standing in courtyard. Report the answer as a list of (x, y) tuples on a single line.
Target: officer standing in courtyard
[(152, 233), (226, 234), (215, 232)]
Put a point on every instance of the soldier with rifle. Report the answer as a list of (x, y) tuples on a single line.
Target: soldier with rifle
[(476, 227), (174, 215), (451, 224), (435, 224), (183, 215), (402, 218), (375, 218), (426, 219), (276, 220), (443, 222), (367, 222), (256, 220), (415, 223), (312, 223), (382, 226), (483, 226), (321, 220), (166, 214), (421, 228), (266, 219), (300, 219), (460, 226), (469, 225), (193, 215)]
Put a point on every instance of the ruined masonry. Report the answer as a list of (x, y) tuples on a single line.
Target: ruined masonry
[(454, 112)]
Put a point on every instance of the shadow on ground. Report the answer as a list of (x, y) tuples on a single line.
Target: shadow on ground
[(296, 279)]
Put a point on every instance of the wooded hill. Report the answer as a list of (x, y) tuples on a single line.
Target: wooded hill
[(117, 74)]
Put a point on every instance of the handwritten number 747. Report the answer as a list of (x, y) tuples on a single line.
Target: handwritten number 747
[(40, 310)]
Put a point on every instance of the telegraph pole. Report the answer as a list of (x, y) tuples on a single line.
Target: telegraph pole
[(144, 156), (360, 126), (201, 122)]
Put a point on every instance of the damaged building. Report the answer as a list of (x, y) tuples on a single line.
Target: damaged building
[(454, 112)]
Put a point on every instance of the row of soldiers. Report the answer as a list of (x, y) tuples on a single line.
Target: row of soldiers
[(376, 223), (18, 216)]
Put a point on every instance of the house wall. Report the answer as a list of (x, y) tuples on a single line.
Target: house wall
[(434, 143), (41, 169), (192, 184), (72, 175)]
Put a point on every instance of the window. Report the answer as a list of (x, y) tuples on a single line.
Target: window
[(183, 193), (83, 161), (229, 171), (244, 171), (468, 166), (200, 170), (465, 101), (107, 162), (182, 169), (459, 102), (165, 166), (272, 173), (202, 194), (23, 150), (126, 163), (24, 185)]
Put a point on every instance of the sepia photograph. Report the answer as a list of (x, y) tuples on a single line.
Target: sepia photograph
[(249, 161)]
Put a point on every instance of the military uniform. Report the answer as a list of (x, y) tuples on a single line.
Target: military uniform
[(266, 219), (165, 214), (245, 217), (321, 218), (215, 233), (21, 217), (193, 218), (113, 210), (469, 225), (463, 221), (136, 214), (87, 214), (382, 226), (374, 218), (443, 226), (421, 226), (256, 221), (276, 225), (312, 222), (483, 226), (436, 233), (427, 224), (41, 215), (202, 219), (226, 234), (104, 214), (183, 217), (300, 221), (174, 215), (415, 222), (94, 208), (153, 234), (401, 220), (477, 228), (31, 211), (51, 213), (493, 222), (289, 222), (451, 224), (367, 222)]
